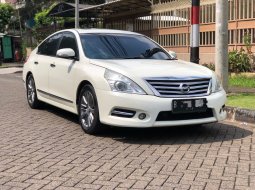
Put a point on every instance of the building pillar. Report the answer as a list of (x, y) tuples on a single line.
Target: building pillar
[(194, 35)]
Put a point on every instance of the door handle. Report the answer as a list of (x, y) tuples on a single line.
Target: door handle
[(36, 63), (52, 65)]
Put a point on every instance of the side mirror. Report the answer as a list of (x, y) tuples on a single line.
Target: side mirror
[(172, 54), (66, 53)]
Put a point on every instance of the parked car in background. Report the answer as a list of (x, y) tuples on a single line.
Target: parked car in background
[(120, 78)]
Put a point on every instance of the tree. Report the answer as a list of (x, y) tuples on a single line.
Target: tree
[(6, 11), (42, 19)]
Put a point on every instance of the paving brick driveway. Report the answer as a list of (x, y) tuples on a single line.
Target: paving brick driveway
[(46, 149)]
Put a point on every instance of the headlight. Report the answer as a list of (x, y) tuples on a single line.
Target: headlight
[(217, 84), (121, 83)]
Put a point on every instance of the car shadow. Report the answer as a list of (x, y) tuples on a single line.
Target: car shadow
[(197, 134), (60, 113)]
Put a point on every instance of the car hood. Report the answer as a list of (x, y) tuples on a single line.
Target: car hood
[(145, 68)]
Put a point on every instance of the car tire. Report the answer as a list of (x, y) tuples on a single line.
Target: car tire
[(88, 110), (32, 99)]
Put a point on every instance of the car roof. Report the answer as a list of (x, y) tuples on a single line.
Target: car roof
[(100, 31)]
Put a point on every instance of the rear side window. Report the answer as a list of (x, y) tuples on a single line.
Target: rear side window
[(49, 46), (69, 41)]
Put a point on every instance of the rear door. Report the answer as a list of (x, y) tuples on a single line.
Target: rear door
[(45, 57)]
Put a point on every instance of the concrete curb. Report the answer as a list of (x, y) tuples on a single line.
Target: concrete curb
[(240, 114), (10, 65), (11, 70)]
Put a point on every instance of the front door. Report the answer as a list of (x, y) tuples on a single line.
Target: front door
[(63, 71)]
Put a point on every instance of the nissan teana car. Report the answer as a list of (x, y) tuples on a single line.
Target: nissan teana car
[(120, 78)]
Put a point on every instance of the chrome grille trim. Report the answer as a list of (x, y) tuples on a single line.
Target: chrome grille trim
[(171, 86)]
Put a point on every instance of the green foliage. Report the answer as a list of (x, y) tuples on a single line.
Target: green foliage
[(40, 34), (6, 11), (33, 6), (24, 50), (41, 18), (247, 43), (210, 66), (44, 24), (242, 61), (239, 61)]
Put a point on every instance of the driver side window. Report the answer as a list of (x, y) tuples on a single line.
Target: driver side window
[(49, 46), (69, 41)]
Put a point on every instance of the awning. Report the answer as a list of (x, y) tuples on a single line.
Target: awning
[(65, 9), (113, 9), (119, 8)]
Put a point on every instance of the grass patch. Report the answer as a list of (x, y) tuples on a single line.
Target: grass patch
[(244, 100), (242, 80)]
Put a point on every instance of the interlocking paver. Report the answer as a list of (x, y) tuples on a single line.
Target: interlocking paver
[(140, 184), (53, 185), (227, 185), (46, 149), (18, 184)]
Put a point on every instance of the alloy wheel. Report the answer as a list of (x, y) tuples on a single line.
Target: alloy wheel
[(31, 91), (87, 109)]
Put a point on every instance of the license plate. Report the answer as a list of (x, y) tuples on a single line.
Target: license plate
[(189, 105)]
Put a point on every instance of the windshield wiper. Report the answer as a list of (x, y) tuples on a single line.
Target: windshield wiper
[(150, 52)]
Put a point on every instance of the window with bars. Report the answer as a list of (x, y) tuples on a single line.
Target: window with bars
[(207, 38), (171, 40), (143, 23), (241, 33), (231, 37), (173, 18), (207, 13), (245, 9)]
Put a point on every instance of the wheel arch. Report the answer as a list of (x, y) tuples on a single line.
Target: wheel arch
[(28, 74), (82, 83)]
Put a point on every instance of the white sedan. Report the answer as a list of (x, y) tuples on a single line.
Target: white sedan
[(121, 79)]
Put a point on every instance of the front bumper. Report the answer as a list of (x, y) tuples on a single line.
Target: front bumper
[(152, 106)]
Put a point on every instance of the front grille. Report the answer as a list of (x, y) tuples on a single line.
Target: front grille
[(169, 116), (175, 87)]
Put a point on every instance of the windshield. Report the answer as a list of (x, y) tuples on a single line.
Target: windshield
[(121, 46)]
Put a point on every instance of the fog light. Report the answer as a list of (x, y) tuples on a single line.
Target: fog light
[(142, 116)]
